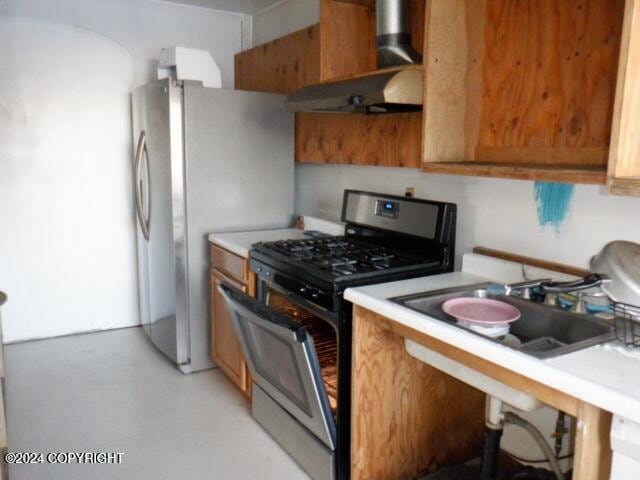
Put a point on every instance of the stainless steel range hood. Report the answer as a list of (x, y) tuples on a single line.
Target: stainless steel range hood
[(398, 89), (393, 90)]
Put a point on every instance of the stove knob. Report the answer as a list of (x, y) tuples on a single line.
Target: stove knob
[(259, 269), (314, 295), (268, 274), (302, 290)]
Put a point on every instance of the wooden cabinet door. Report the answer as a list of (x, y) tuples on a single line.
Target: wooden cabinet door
[(226, 349)]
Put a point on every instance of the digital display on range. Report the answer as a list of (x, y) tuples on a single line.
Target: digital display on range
[(385, 208)]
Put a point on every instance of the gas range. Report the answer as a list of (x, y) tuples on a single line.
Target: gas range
[(297, 334), (387, 238)]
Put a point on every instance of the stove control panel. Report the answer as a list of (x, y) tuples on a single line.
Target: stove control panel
[(387, 208)]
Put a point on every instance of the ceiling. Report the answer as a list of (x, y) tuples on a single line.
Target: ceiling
[(241, 6)]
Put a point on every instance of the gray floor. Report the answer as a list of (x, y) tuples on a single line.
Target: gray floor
[(112, 392)]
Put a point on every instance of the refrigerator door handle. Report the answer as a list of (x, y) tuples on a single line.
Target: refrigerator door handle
[(141, 151)]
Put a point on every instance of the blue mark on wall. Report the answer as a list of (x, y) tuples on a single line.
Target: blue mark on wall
[(554, 200)]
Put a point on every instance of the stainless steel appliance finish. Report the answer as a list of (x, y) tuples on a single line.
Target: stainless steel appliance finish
[(297, 335), (283, 362), (620, 260), (544, 331), (157, 118), (399, 215), (393, 25), (399, 90), (314, 456), (205, 160)]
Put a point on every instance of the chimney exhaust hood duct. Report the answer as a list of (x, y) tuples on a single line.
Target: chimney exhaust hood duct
[(393, 25), (393, 90)]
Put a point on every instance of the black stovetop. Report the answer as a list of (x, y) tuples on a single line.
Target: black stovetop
[(342, 259)]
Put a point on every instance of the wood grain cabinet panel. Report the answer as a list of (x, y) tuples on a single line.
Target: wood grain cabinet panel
[(281, 66), (525, 89), (408, 419), (624, 156), (343, 44), (550, 74), (227, 352), (225, 347), (229, 264), (381, 140), (521, 88), (348, 39), (348, 48)]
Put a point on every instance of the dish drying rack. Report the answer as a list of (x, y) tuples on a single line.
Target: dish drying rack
[(627, 323)]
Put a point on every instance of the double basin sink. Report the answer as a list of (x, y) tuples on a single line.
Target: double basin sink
[(542, 331)]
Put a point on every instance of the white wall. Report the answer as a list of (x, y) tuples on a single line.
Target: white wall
[(284, 17), (493, 213), (67, 254)]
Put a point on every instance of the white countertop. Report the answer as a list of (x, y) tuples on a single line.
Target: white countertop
[(240, 242), (598, 375)]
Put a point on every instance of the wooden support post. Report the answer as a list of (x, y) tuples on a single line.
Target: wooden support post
[(592, 459)]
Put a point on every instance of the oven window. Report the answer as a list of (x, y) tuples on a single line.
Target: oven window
[(275, 361), (324, 337)]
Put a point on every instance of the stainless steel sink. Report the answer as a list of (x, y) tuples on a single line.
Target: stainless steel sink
[(543, 331)]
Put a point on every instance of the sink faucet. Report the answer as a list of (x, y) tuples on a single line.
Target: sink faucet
[(551, 288)]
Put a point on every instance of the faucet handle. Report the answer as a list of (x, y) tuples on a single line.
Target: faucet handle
[(579, 306), (524, 288)]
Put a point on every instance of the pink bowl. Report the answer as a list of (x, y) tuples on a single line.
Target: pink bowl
[(481, 310)]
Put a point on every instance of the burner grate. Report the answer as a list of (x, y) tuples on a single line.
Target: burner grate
[(339, 256)]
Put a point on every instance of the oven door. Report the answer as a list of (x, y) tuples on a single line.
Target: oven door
[(283, 362)]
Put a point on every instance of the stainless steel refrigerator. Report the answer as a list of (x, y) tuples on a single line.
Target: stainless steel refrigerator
[(205, 160)]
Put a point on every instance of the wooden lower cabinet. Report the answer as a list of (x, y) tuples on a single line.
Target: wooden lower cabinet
[(226, 350), (409, 419)]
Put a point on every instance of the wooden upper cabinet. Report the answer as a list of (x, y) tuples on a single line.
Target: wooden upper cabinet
[(522, 88), (527, 89), (624, 155), (348, 48), (348, 32), (342, 45), (281, 66), (389, 140)]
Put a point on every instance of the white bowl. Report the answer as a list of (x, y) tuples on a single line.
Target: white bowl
[(492, 331)]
